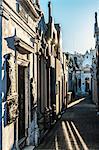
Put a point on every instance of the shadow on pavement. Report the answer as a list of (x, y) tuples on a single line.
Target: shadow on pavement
[(78, 129)]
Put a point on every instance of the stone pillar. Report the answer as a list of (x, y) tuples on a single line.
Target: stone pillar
[(38, 83), (48, 83), (98, 76), (0, 83)]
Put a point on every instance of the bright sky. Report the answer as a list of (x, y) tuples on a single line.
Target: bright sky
[(77, 20)]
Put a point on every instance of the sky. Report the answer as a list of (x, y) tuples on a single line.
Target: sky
[(77, 22)]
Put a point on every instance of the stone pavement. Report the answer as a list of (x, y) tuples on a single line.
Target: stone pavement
[(78, 129)]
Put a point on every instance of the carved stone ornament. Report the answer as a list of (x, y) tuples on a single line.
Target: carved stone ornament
[(11, 102), (10, 74), (11, 110)]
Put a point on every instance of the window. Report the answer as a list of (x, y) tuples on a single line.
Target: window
[(22, 12), (17, 6)]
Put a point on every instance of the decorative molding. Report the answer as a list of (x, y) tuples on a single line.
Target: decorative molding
[(22, 47), (31, 7), (22, 62)]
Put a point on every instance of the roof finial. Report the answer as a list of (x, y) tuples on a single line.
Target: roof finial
[(96, 22), (49, 10), (37, 3)]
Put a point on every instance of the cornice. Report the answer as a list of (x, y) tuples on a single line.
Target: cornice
[(17, 19), (3, 13), (31, 8)]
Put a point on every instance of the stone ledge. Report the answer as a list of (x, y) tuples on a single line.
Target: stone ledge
[(29, 148)]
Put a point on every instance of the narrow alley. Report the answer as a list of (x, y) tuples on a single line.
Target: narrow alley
[(78, 129), (49, 75)]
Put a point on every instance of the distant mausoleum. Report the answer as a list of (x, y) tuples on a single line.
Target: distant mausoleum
[(81, 72)]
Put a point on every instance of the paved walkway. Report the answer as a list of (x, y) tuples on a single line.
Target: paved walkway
[(78, 129)]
